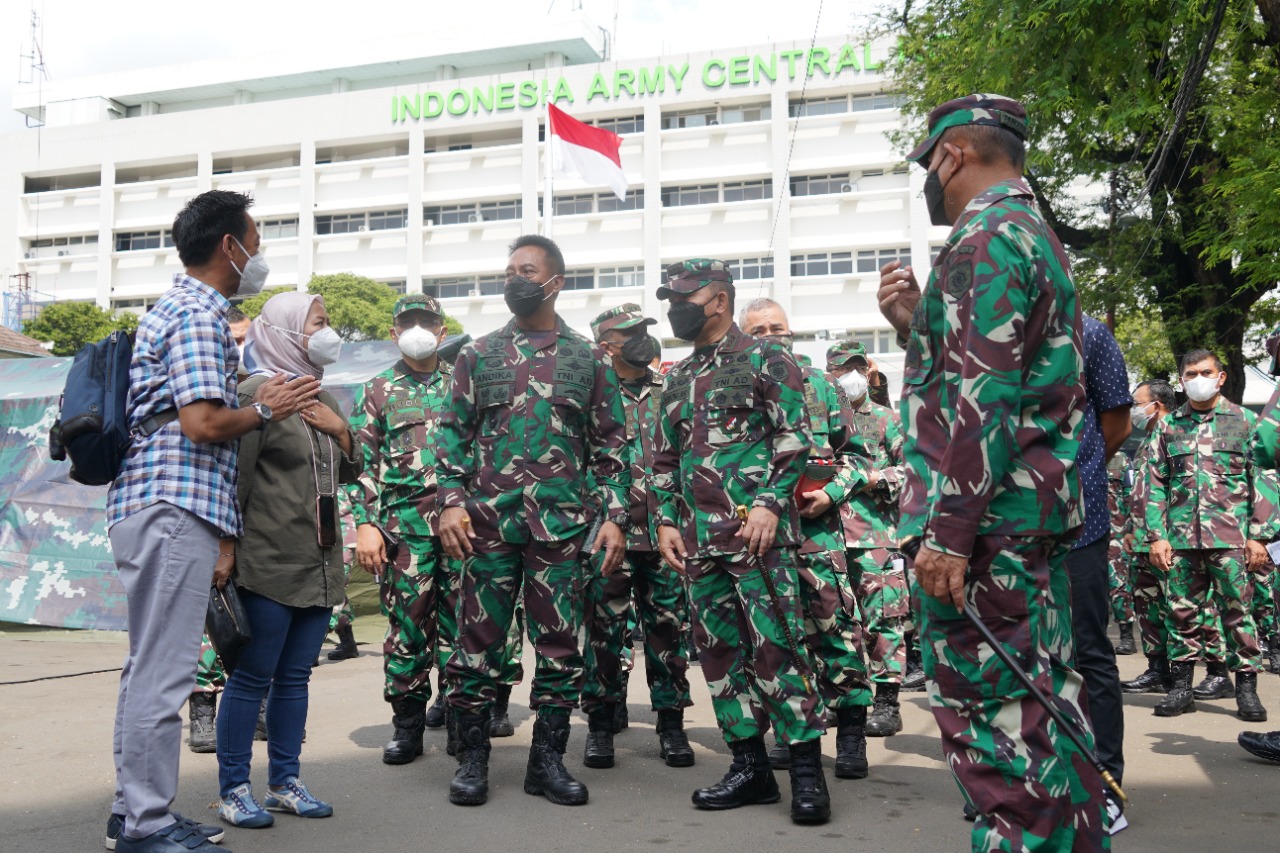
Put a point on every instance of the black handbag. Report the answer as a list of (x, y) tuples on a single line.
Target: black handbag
[(227, 625)]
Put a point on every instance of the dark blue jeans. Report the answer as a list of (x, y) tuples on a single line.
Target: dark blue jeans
[(285, 643)]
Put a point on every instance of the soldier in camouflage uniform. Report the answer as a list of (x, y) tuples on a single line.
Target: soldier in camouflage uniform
[(1118, 585), (877, 569), (1208, 512), (992, 407), (203, 704), (734, 434), (1265, 447), (833, 629), (661, 602), (533, 414), (393, 418)]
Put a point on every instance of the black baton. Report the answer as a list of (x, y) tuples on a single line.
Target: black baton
[(800, 662)]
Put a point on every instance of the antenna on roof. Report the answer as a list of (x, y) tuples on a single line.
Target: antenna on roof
[(31, 66)]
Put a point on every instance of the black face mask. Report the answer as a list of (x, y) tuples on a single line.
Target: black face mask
[(639, 351), (522, 295), (933, 198), (687, 319)]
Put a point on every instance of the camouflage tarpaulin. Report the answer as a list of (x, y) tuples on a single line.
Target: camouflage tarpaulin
[(55, 559)]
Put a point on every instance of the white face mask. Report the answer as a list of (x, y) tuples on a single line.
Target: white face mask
[(854, 384), (324, 347), (1202, 388), (254, 274), (417, 343), (1139, 416)]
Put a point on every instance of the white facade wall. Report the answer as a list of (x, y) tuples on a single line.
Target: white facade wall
[(143, 168)]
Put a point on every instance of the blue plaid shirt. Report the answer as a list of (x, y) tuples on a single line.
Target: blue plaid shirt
[(184, 353)]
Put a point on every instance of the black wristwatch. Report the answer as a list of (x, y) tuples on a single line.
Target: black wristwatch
[(264, 412)]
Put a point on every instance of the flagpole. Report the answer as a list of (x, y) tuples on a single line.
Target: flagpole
[(548, 200)]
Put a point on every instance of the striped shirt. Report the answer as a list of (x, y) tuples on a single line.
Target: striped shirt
[(184, 353)]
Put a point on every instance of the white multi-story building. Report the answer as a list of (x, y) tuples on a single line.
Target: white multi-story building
[(418, 170)]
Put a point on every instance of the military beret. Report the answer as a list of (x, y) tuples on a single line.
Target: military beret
[(992, 110), (845, 352), (693, 275), (417, 302), (623, 317)]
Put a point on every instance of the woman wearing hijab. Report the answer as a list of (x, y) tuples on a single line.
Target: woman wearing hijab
[(288, 565)]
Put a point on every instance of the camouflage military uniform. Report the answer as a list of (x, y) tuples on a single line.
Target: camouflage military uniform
[(528, 416), (734, 433), (993, 407), (1206, 500), (210, 676), (1265, 449), (660, 600), (1118, 562)]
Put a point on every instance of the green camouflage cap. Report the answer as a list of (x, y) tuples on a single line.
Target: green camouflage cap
[(626, 316), (992, 110), (845, 352), (417, 302), (693, 275)]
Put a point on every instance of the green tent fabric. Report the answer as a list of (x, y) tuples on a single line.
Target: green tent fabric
[(55, 558)]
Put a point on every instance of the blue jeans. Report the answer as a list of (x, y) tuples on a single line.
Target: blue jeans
[(285, 643)]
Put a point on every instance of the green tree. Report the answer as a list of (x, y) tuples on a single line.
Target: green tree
[(359, 308), (1171, 108), (71, 325)]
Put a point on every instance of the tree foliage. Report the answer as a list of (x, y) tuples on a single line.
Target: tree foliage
[(360, 309), (1170, 108), (71, 325)]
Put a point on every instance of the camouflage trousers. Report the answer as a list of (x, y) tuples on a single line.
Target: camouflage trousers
[(662, 607), (210, 676), (750, 670), (833, 629), (1033, 788), (418, 626), (343, 615), (1215, 578), (1150, 605), (1119, 586), (886, 604), (1264, 602), (492, 582)]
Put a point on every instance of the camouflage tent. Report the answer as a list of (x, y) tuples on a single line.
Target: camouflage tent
[(55, 558)]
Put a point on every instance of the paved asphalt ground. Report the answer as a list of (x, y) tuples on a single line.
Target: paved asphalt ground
[(1192, 787)]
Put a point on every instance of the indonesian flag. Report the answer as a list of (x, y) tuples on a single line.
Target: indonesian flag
[(582, 151)]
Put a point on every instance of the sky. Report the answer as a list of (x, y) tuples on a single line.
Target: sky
[(85, 37)]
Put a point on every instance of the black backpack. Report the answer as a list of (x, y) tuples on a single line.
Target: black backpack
[(93, 419)]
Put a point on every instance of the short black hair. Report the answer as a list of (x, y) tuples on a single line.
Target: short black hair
[(546, 244), (1162, 392), (200, 226), (1198, 355), (993, 144), (235, 315)]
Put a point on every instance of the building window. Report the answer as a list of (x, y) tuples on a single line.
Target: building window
[(136, 241), (746, 112), (387, 220), (448, 214), (574, 204), (818, 106), (496, 210), (489, 211), (802, 185), (751, 268), (457, 286), (278, 229), (822, 263), (871, 260), (398, 285), (690, 118), (579, 280), (622, 124), (57, 247), (340, 223), (608, 202), (748, 190), (631, 276), (683, 196), (877, 101)]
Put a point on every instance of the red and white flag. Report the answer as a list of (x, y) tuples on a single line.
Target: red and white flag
[(586, 152)]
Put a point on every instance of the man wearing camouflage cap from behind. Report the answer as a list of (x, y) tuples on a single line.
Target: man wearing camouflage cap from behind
[(734, 433), (661, 601), (993, 409)]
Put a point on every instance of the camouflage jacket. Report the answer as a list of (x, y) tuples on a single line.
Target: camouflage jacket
[(832, 426), (871, 515), (1136, 494), (641, 402), (993, 398), (733, 432), (525, 424), (1118, 495), (1265, 442), (393, 417), (1205, 491)]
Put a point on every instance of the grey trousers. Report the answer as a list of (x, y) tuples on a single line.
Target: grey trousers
[(165, 556)]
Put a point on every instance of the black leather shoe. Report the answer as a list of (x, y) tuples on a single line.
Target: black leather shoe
[(346, 648), (810, 802), (673, 743), (1248, 705), (886, 716), (1264, 745), (851, 743), (546, 774), (470, 785), (409, 718), (750, 780), (1180, 699), (1155, 679), (182, 836), (598, 753), (1216, 683)]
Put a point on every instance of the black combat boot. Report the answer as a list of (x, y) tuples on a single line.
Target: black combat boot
[(1248, 706), (851, 745), (204, 736), (750, 780), (780, 755), (673, 743), (1273, 666), (451, 743), (435, 714), (1126, 645), (1216, 684), (346, 647), (886, 717), (500, 722), (913, 675), (620, 717), (546, 774), (1156, 679), (810, 802), (260, 730), (599, 749), (1180, 699), (409, 715), (470, 785)]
